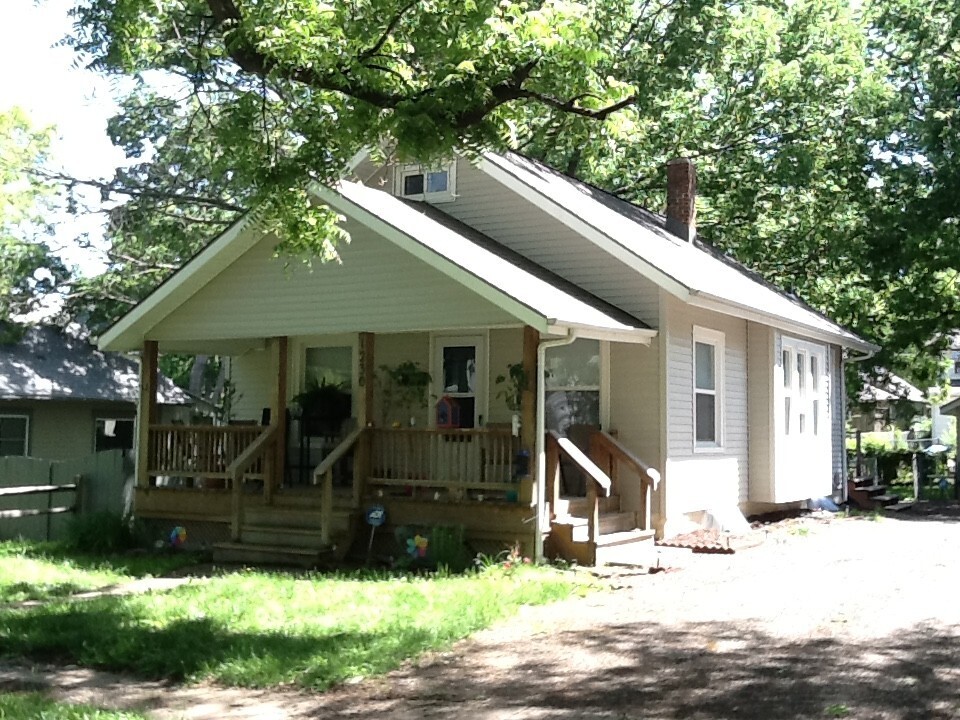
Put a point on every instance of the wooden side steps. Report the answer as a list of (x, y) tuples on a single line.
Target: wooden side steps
[(867, 494), (619, 541), (288, 533)]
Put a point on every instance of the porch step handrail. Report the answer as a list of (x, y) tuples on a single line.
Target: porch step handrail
[(604, 447), (236, 469), (324, 473), (557, 445)]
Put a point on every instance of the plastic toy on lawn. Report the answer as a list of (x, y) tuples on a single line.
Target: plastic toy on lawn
[(178, 536)]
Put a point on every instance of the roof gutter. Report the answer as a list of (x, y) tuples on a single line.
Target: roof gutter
[(540, 440)]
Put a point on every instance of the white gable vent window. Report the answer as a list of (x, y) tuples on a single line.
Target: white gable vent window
[(434, 183)]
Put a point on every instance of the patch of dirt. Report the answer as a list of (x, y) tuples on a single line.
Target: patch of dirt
[(828, 617)]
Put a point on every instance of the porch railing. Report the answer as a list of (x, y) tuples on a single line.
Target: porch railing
[(459, 460), (201, 452), (260, 453), (609, 454)]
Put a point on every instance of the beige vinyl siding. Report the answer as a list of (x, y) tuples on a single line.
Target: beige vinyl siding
[(837, 415), (761, 361), (635, 409), (251, 375), (377, 288), (493, 209), (703, 480), (391, 350), (504, 348)]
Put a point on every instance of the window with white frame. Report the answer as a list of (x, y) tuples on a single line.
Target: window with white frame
[(113, 434), (14, 434), (708, 350), (572, 393), (433, 183)]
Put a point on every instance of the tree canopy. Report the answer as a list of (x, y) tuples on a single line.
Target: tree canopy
[(29, 271), (824, 135)]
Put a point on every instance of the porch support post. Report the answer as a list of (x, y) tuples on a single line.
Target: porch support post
[(367, 380), (528, 408), (278, 414), (146, 409)]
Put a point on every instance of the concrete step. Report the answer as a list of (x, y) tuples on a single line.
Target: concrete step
[(268, 554), (273, 536)]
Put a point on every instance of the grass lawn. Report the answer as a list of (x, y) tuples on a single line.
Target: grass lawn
[(262, 629), (41, 571), (20, 706)]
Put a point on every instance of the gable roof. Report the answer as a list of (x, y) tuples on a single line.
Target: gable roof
[(528, 292), (693, 272), (480, 260), (49, 363)]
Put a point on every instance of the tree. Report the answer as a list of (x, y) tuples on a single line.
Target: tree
[(801, 116), (29, 271)]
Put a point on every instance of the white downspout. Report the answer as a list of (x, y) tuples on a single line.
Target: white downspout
[(539, 440)]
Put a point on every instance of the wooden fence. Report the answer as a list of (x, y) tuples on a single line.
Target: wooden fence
[(102, 488)]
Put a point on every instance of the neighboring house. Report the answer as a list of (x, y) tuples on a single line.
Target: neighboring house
[(61, 397), (888, 404), (953, 369), (654, 354)]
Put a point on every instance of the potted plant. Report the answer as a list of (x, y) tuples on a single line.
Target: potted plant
[(514, 382), (323, 408), (405, 386)]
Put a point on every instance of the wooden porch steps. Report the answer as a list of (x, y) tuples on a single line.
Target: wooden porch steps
[(256, 554), (867, 494), (619, 542)]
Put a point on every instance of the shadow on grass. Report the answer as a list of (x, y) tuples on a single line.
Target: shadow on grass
[(136, 564), (107, 634)]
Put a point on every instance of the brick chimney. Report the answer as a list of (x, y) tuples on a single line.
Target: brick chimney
[(682, 198)]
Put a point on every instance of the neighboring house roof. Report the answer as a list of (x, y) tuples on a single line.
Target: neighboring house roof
[(694, 272), (893, 387), (951, 408), (49, 363)]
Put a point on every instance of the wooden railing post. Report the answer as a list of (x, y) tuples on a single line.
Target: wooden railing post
[(326, 509), (553, 476), (593, 512)]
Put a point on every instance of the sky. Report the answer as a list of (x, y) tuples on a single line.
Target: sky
[(41, 79)]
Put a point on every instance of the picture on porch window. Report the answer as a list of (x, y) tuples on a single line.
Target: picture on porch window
[(573, 386), (460, 369)]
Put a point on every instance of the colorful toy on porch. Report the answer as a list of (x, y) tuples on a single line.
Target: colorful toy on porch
[(417, 546), (178, 536)]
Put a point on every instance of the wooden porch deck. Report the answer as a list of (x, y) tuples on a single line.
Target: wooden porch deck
[(423, 478)]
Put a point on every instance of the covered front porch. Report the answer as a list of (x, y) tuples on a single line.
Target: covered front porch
[(268, 485)]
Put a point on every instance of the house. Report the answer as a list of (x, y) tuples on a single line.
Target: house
[(662, 382), (887, 403), (61, 397)]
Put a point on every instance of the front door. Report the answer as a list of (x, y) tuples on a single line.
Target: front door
[(459, 373)]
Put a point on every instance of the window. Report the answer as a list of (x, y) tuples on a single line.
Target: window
[(708, 349), (434, 184), (14, 434), (329, 366), (113, 434), (572, 392)]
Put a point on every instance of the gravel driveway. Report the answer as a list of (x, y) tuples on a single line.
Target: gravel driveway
[(828, 617)]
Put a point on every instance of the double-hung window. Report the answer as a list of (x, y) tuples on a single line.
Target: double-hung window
[(14, 434), (708, 350)]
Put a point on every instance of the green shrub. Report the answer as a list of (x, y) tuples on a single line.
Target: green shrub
[(104, 533)]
